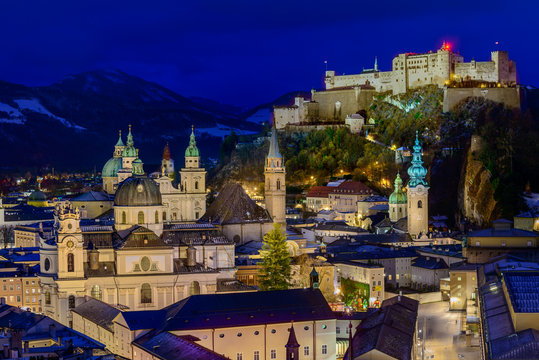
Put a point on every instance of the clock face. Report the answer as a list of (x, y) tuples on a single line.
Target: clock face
[(140, 188), (70, 244)]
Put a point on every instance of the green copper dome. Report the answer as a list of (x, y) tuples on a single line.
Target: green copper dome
[(111, 167), (129, 151), (138, 167), (416, 171), (192, 150), (398, 196)]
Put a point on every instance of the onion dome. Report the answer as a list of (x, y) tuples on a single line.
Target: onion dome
[(111, 167), (398, 196), (138, 191), (138, 168), (192, 150), (417, 172)]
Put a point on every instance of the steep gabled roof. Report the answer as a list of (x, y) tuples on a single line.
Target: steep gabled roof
[(234, 206)]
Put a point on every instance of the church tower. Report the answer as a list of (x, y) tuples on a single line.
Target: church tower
[(397, 201), (167, 164), (275, 186), (193, 182), (70, 244), (418, 195)]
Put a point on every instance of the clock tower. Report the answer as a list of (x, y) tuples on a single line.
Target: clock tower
[(418, 195), (70, 244), (275, 186)]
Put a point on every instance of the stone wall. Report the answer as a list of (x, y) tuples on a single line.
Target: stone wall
[(508, 96)]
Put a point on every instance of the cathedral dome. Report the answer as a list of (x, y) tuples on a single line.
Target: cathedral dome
[(37, 196), (138, 191), (111, 167)]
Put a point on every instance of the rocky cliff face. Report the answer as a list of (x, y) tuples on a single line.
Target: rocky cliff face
[(476, 193)]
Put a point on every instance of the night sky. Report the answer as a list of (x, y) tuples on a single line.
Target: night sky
[(249, 52)]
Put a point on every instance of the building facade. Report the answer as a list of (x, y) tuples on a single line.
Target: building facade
[(275, 182)]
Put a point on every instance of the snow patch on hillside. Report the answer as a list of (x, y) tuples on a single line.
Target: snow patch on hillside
[(35, 106), (261, 116), (14, 115)]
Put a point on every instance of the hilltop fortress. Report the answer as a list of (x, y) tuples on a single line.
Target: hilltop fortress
[(346, 95)]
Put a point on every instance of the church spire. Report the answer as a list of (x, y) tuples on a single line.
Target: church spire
[(417, 172), (274, 153), (166, 152), (376, 63), (120, 142), (192, 150), (130, 141), (292, 345)]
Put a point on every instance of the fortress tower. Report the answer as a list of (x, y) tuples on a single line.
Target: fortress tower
[(275, 186), (418, 195)]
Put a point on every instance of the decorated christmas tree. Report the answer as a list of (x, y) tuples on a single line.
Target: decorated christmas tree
[(275, 271)]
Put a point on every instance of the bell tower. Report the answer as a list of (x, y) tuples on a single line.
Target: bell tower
[(193, 181), (275, 186), (418, 195), (70, 244)]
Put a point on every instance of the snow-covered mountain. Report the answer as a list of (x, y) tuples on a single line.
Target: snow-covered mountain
[(74, 123)]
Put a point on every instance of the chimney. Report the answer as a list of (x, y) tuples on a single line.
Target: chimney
[(52, 330), (428, 258), (93, 259), (191, 256)]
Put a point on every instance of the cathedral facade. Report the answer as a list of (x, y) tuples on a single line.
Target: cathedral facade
[(141, 261), (183, 197)]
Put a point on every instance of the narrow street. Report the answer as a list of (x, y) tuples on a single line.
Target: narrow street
[(441, 331)]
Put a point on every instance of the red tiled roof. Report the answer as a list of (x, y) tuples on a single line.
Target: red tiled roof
[(320, 191), (353, 187)]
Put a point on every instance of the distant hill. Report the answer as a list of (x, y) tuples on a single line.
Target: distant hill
[(73, 124)]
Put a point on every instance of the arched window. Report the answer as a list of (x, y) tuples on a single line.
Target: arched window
[(195, 288), (278, 184), (96, 292), (140, 218), (124, 218), (47, 298), (157, 217), (70, 262), (164, 216), (196, 185), (71, 301), (146, 294), (419, 204)]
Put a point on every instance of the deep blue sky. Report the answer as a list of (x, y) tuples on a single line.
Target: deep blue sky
[(248, 52)]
